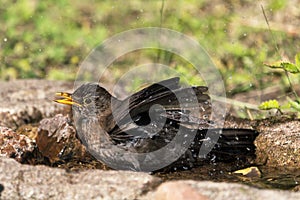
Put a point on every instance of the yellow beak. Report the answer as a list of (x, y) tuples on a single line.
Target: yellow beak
[(65, 98)]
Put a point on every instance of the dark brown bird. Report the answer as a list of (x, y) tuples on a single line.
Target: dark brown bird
[(159, 126)]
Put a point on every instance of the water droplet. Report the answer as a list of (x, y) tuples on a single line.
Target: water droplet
[(184, 119), (137, 118)]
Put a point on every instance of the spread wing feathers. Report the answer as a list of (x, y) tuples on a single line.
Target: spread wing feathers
[(183, 99), (122, 110), (183, 105), (162, 86)]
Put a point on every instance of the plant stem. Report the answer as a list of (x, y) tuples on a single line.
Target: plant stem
[(291, 85)]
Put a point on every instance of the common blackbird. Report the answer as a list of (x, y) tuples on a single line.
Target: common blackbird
[(163, 125)]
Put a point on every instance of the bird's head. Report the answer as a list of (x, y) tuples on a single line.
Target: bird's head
[(88, 99)]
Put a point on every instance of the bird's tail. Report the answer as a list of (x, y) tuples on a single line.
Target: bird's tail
[(231, 144)]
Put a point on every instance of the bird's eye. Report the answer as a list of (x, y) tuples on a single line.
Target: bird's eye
[(87, 101)]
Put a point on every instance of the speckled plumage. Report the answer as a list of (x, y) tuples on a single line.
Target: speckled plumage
[(115, 131)]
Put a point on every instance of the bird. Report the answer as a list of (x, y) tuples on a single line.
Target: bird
[(162, 126)]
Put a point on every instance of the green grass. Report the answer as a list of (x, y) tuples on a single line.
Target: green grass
[(49, 39)]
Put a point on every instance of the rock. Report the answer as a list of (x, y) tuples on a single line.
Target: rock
[(56, 139), (297, 188), (278, 143), (28, 101), (177, 190), (28, 130), (41, 182), (216, 191), (19, 147)]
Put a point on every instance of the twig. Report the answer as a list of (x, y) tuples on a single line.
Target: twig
[(272, 35), (235, 102)]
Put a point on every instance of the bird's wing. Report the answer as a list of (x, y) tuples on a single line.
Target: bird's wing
[(178, 105), (142, 97), (162, 86)]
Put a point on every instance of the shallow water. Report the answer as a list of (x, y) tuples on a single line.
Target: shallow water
[(271, 178)]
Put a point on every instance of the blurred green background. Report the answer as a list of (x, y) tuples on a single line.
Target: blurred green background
[(48, 39)]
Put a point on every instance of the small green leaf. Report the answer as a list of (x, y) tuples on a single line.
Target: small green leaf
[(287, 66), (276, 64), (290, 67), (284, 106), (294, 104), (267, 105), (297, 60)]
